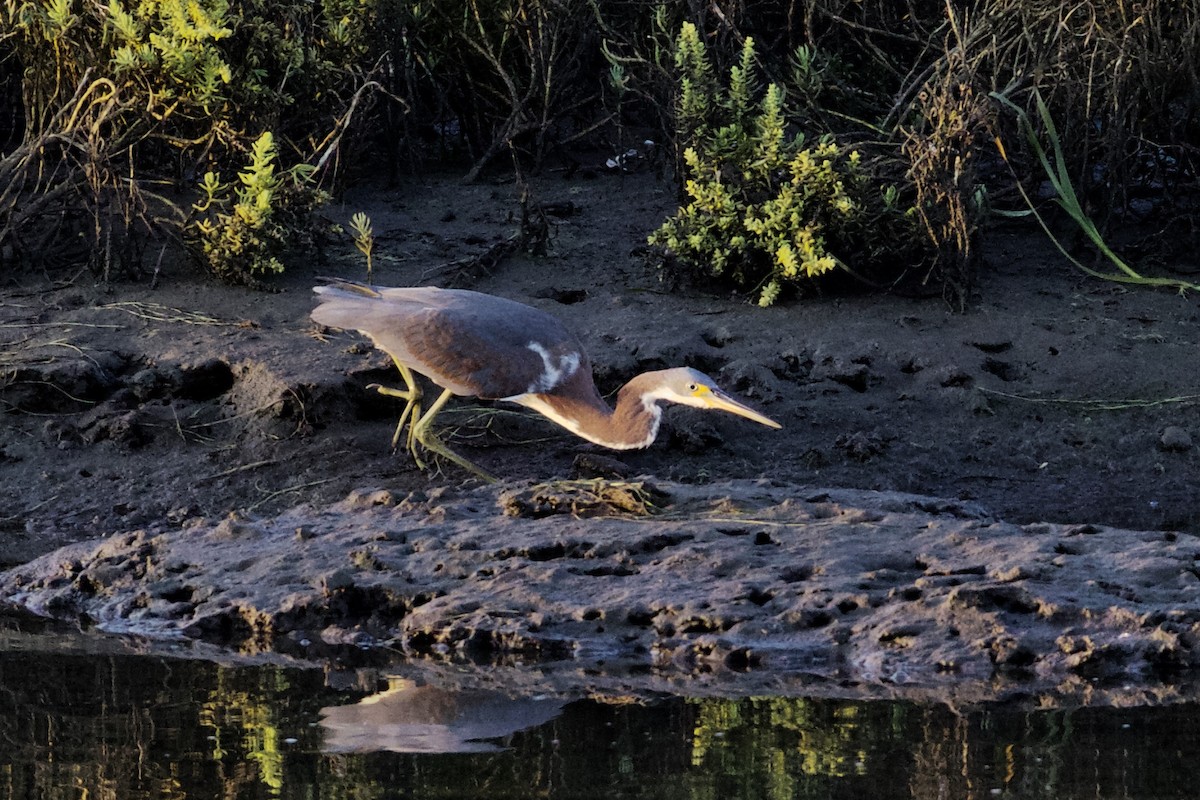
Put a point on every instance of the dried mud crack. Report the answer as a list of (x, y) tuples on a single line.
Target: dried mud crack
[(860, 587)]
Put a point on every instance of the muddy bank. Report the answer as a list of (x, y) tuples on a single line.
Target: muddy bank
[(858, 588), (1057, 397), (194, 446)]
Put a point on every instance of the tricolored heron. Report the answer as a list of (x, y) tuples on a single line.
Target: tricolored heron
[(479, 345)]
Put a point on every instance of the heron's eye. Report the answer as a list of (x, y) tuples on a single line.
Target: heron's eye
[(693, 388)]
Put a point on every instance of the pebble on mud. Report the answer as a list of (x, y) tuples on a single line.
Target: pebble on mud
[(1175, 439)]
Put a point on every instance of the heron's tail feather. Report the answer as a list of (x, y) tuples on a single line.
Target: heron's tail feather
[(353, 312), (344, 287)]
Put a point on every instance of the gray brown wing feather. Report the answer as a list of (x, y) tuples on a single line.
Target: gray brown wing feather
[(470, 343)]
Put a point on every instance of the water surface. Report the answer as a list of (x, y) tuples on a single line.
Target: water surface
[(87, 718)]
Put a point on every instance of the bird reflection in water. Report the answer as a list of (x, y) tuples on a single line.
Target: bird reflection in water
[(407, 718)]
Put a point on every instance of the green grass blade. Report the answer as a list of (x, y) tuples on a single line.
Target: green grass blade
[(1068, 200)]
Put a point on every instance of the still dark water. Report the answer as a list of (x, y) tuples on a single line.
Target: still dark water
[(83, 723)]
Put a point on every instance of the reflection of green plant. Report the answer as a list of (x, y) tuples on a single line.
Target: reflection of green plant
[(763, 210), (253, 714), (829, 734), (244, 228), (767, 746)]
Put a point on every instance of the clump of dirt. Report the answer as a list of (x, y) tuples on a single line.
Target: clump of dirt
[(192, 410), (583, 498)]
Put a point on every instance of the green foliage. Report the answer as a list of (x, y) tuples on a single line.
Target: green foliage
[(697, 85), (124, 102), (364, 237), (124, 98), (242, 229), (172, 46), (223, 62), (1065, 196), (763, 210)]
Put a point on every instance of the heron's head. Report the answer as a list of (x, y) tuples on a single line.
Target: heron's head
[(690, 387)]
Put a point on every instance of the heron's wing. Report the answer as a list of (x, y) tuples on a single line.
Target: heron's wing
[(467, 342)]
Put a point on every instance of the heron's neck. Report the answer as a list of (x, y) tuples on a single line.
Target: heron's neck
[(633, 424)]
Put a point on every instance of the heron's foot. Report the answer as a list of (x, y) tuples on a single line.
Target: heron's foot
[(410, 414), (420, 429), (421, 434), (403, 394)]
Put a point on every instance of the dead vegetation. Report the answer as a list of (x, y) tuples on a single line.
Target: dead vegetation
[(584, 498)]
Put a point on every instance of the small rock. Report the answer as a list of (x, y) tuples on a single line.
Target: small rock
[(171, 588), (338, 635), (58, 432), (980, 406), (147, 383), (861, 446), (750, 380), (717, 336), (1175, 439), (992, 345), (1004, 370), (121, 428), (232, 527), (594, 465), (369, 498), (176, 610), (952, 376), (181, 514), (338, 579), (856, 376)]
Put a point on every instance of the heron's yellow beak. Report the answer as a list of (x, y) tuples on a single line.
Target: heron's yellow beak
[(723, 402)]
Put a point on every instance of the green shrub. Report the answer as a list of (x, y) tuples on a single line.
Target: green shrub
[(242, 229), (763, 210), (127, 101)]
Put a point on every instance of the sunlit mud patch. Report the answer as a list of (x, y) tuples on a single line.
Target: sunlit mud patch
[(870, 589)]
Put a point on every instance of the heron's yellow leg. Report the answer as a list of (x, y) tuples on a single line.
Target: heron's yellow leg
[(412, 408), (421, 431)]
